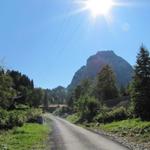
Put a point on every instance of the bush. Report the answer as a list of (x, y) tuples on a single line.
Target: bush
[(87, 108), (74, 118), (16, 118), (32, 114), (10, 119), (4, 117), (62, 111), (114, 115)]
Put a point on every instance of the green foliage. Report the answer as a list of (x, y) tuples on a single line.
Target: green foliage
[(17, 89), (140, 90), (106, 84), (78, 92), (83, 89), (20, 80), (70, 99), (83, 97), (6, 90), (46, 99), (4, 118), (36, 98), (30, 136), (74, 118), (113, 115), (87, 107), (59, 95), (10, 119), (62, 111), (22, 85), (32, 114), (135, 128), (18, 95), (124, 91)]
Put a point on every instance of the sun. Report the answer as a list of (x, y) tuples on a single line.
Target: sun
[(99, 7)]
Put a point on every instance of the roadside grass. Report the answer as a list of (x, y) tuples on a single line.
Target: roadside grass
[(134, 129), (74, 118), (31, 136)]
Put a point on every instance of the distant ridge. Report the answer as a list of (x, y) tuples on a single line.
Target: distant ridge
[(122, 69)]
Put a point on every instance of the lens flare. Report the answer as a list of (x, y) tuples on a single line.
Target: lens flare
[(99, 7)]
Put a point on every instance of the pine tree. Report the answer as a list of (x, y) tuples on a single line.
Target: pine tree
[(106, 84), (46, 100), (141, 85), (6, 91)]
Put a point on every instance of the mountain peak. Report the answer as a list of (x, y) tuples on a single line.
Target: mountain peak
[(122, 69), (102, 54), (105, 52)]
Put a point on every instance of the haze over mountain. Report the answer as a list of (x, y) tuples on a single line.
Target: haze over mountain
[(122, 69)]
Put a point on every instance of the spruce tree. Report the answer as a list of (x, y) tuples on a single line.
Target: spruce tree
[(106, 84), (6, 91), (141, 85)]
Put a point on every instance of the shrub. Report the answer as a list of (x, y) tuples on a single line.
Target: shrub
[(62, 111), (10, 119), (74, 118), (32, 114), (114, 115), (3, 118), (87, 108), (16, 118)]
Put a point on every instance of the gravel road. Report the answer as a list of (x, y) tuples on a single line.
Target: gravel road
[(67, 136)]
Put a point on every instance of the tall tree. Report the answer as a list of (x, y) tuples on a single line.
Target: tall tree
[(106, 84), (84, 88), (46, 99), (77, 92), (6, 91), (87, 107), (141, 85), (36, 97), (23, 86)]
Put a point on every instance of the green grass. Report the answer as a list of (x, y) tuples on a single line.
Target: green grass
[(135, 129), (73, 118), (28, 137)]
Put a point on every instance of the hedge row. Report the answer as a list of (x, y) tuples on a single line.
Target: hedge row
[(10, 119)]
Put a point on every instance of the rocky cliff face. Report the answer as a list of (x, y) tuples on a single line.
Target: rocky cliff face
[(122, 69)]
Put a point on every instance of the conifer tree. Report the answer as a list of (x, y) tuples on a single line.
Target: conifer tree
[(141, 85), (6, 91), (106, 84)]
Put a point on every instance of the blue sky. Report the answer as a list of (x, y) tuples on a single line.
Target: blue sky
[(46, 41)]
